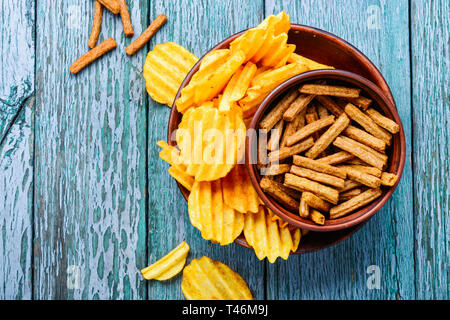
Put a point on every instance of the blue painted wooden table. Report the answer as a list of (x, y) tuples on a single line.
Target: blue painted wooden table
[(85, 203)]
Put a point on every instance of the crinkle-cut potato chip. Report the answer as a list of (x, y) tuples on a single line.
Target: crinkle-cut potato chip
[(210, 63), (310, 64), (177, 170), (267, 238), (206, 279), (237, 86), (249, 42), (257, 41), (211, 215), (169, 265), (212, 84), (264, 83), (277, 52), (170, 154), (165, 68), (285, 54), (211, 142), (280, 221), (281, 22), (179, 174), (238, 190), (296, 237)]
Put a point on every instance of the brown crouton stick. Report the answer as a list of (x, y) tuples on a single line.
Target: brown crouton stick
[(146, 35), (96, 24)]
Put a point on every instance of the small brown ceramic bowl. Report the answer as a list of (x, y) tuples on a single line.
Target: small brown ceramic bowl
[(396, 152), (322, 47)]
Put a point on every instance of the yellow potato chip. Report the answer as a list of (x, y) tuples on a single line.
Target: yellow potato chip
[(177, 170), (211, 142), (249, 42), (168, 153), (208, 212), (281, 23), (169, 265), (284, 55), (264, 83), (238, 190), (296, 237), (165, 68), (267, 238), (212, 84), (210, 63), (310, 64), (179, 174), (276, 218), (257, 41), (206, 279), (237, 86), (260, 72)]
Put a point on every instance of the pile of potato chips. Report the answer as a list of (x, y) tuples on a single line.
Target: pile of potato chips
[(221, 97)]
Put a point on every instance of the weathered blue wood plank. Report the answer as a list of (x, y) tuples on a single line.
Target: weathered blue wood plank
[(16, 191), (17, 54), (198, 26), (380, 30), (430, 30), (16, 59), (90, 159)]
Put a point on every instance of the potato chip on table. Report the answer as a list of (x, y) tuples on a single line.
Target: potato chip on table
[(169, 265), (165, 68), (206, 279)]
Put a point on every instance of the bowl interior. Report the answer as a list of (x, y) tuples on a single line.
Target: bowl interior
[(325, 48), (396, 151)]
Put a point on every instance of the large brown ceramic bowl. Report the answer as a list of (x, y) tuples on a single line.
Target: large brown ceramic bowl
[(396, 151), (325, 48)]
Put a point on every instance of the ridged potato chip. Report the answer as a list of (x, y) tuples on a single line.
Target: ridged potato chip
[(210, 63), (169, 265), (206, 279), (237, 86), (310, 64), (258, 41), (170, 154), (211, 215), (264, 83), (249, 42), (179, 174), (238, 191), (177, 170), (211, 142), (165, 68), (267, 238), (281, 22), (213, 75), (276, 218), (212, 84)]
